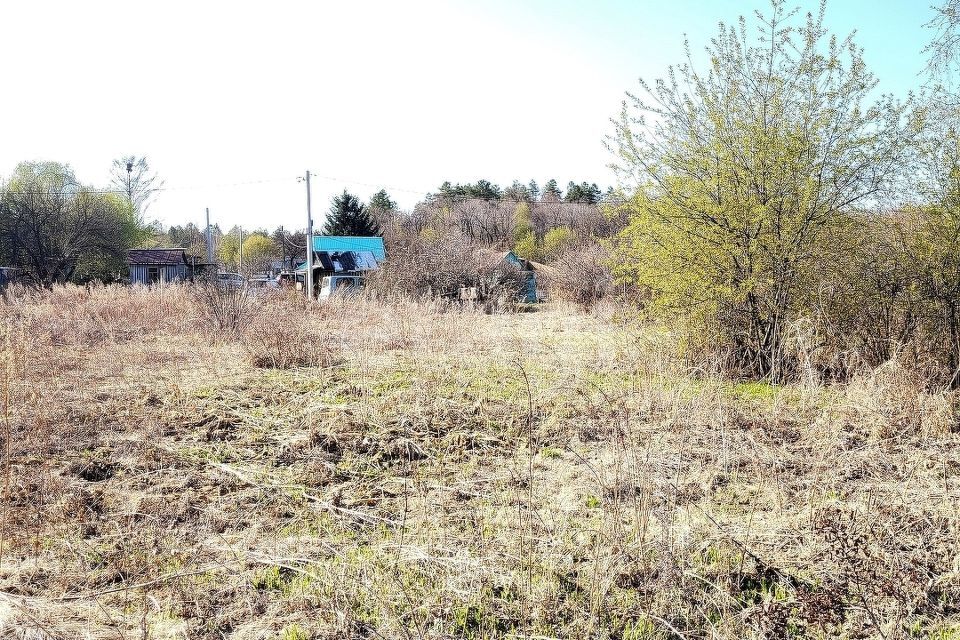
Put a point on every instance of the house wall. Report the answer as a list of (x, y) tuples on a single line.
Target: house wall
[(531, 288), (139, 273)]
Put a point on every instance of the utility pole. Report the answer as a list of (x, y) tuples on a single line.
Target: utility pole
[(309, 278), (130, 183), (209, 240)]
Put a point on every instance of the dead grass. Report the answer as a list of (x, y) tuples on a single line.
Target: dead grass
[(411, 471)]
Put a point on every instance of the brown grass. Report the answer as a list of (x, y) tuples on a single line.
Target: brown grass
[(411, 471)]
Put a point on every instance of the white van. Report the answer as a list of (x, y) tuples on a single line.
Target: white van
[(339, 285)]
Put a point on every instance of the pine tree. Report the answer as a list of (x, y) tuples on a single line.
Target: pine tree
[(381, 201), (348, 217), (551, 190), (517, 192), (534, 190), (584, 192)]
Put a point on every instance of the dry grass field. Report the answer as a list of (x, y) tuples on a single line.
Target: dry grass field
[(398, 470)]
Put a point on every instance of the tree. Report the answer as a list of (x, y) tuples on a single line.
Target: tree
[(348, 217), (944, 49), (557, 241), (551, 191), (931, 235), (380, 201), (383, 212), (743, 172), (189, 236), (534, 189), (57, 229), (292, 246), (583, 192), (485, 190), (481, 190), (525, 243), (133, 177), (259, 251), (522, 223), (517, 192), (228, 248)]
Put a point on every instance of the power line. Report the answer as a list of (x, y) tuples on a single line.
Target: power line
[(77, 190)]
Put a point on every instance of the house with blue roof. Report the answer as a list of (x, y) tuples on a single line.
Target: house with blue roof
[(339, 244), (343, 256)]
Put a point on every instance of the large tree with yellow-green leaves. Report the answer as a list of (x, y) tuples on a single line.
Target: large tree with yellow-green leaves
[(739, 172), (55, 229)]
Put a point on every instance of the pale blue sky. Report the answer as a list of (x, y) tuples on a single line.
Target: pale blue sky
[(400, 94)]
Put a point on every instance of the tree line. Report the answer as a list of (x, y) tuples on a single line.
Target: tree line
[(584, 192), (536, 224)]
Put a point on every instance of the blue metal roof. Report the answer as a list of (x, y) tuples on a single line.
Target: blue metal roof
[(342, 261), (350, 243)]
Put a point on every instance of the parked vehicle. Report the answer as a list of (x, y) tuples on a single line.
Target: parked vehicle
[(263, 286), (263, 282), (339, 285), (231, 280)]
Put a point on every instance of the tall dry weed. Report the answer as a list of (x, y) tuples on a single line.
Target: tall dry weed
[(288, 332), (895, 400)]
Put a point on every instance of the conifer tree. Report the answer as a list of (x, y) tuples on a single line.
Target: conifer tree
[(348, 217), (381, 201), (551, 190)]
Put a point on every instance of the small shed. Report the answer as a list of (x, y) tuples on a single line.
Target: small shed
[(162, 265), (528, 268)]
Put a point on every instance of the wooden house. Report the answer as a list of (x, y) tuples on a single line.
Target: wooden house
[(163, 265)]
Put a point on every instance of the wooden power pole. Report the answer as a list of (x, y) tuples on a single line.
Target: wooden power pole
[(309, 274)]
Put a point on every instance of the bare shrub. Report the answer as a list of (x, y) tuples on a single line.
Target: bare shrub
[(893, 401), (434, 266), (224, 309), (287, 333), (581, 275)]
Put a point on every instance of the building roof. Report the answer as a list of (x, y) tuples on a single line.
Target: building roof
[(343, 261), (351, 243), (168, 256), (492, 258)]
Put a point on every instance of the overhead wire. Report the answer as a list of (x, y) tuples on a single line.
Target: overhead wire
[(80, 189)]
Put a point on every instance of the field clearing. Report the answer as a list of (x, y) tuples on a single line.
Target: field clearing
[(431, 473)]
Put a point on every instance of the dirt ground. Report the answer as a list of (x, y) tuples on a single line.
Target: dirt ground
[(394, 469)]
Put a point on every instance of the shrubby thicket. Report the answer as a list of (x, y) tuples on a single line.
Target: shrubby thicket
[(786, 220), (456, 237)]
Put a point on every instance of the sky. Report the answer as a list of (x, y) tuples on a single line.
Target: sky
[(231, 102)]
